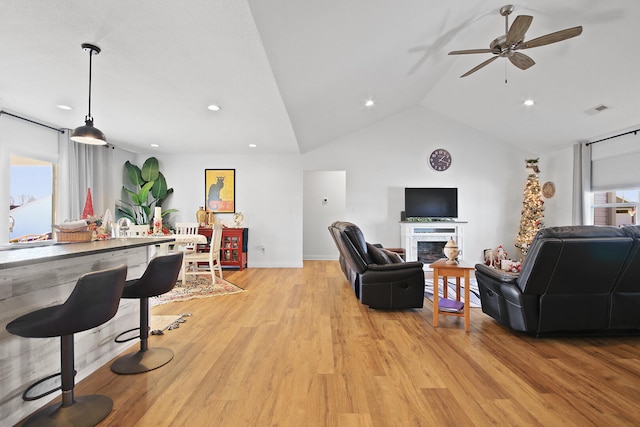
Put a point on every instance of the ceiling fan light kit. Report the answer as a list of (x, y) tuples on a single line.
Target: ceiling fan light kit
[(88, 134), (507, 45)]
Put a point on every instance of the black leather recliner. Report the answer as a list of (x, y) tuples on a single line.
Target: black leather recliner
[(574, 280), (379, 278)]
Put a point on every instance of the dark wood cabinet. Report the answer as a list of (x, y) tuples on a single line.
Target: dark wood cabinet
[(233, 250)]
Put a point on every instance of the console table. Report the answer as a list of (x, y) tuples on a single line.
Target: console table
[(424, 241)]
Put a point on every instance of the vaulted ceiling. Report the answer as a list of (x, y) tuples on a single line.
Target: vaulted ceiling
[(291, 75)]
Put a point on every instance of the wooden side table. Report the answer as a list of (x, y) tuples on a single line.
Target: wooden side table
[(444, 270)]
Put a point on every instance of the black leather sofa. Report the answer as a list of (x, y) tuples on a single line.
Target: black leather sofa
[(379, 278), (577, 280)]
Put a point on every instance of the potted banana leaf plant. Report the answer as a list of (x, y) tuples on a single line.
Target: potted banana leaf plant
[(147, 190)]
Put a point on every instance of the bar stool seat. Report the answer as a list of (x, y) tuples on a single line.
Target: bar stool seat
[(159, 278), (93, 301)]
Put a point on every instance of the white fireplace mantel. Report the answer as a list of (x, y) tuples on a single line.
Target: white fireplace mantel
[(435, 232)]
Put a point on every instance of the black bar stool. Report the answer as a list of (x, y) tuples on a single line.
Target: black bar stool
[(93, 301), (159, 278)]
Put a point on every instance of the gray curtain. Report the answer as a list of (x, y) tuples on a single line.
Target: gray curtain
[(83, 167), (582, 214)]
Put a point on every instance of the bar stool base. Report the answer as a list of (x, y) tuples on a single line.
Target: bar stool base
[(84, 411), (142, 361)]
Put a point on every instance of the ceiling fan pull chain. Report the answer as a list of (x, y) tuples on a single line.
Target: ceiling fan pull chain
[(505, 71)]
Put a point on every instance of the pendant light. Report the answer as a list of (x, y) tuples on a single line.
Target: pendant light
[(88, 134)]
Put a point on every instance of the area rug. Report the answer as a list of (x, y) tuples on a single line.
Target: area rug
[(163, 323), (474, 294), (200, 287)]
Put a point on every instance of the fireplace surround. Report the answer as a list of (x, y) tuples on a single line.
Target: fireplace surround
[(424, 241)]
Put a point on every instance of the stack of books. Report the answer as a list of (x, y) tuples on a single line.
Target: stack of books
[(450, 305)]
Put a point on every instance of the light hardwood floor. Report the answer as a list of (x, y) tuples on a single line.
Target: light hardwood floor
[(298, 349)]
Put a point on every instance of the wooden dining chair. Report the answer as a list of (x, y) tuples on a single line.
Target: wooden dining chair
[(188, 228), (212, 257)]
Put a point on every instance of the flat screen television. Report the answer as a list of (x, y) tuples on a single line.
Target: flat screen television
[(431, 202)]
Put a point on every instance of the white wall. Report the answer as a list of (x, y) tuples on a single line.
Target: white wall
[(268, 193), (557, 167), (382, 159)]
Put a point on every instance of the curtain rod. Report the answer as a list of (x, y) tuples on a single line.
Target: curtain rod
[(635, 132), (31, 121)]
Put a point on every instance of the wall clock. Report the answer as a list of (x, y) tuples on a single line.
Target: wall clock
[(440, 160)]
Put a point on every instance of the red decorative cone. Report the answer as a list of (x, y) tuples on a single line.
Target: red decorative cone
[(88, 206)]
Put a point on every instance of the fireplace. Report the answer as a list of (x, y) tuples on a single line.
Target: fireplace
[(429, 251)]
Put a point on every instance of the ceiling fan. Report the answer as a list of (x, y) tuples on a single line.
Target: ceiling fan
[(507, 45)]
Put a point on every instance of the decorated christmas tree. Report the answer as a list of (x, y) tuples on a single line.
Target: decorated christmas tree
[(532, 215)]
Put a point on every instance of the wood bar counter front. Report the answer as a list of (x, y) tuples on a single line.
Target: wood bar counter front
[(38, 277)]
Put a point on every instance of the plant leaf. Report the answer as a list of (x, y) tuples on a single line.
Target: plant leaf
[(134, 173), (150, 169), (143, 194), (127, 213), (134, 196), (146, 217), (159, 189)]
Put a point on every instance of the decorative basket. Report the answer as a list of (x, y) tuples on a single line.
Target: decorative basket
[(74, 236)]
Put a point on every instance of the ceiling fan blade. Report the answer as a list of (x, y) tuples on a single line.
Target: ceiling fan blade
[(552, 38), (518, 28), (477, 67), (465, 52), (521, 60)]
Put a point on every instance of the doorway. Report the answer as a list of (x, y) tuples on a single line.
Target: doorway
[(324, 201)]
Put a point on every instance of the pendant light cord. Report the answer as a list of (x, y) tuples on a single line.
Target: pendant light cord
[(90, 62)]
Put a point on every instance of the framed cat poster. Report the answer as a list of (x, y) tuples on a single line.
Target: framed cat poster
[(220, 190)]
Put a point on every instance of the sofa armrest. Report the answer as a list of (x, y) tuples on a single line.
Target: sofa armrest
[(495, 274)]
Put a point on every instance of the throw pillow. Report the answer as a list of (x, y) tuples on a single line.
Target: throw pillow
[(394, 257), (378, 256)]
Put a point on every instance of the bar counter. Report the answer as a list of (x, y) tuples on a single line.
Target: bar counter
[(36, 277)]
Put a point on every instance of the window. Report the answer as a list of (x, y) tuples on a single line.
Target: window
[(616, 207), (30, 197)]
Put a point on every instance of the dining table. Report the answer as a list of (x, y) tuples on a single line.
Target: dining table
[(189, 239)]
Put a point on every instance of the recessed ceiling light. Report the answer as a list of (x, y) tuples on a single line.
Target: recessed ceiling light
[(154, 145), (369, 103), (214, 107), (252, 145), (529, 102), (64, 107)]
